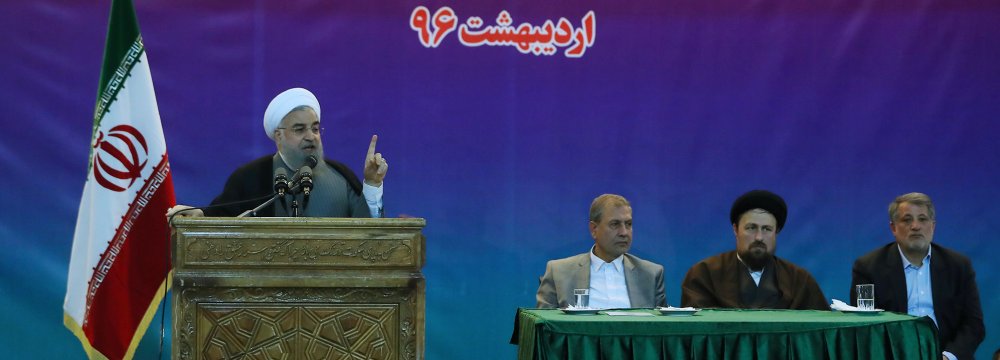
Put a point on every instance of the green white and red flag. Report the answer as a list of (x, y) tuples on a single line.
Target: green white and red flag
[(120, 267)]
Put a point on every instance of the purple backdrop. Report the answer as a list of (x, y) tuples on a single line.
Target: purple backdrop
[(680, 107)]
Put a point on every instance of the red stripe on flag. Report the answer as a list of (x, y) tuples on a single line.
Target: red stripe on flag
[(136, 272)]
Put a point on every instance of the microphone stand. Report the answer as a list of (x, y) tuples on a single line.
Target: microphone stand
[(295, 202), (253, 212), (301, 182)]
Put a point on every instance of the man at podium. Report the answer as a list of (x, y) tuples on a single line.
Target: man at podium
[(292, 120)]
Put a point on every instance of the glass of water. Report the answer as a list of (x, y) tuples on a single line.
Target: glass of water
[(866, 296), (582, 298)]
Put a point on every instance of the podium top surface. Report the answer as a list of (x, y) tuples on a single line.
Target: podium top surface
[(299, 221)]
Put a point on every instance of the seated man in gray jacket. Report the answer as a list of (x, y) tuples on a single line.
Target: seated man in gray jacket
[(615, 278)]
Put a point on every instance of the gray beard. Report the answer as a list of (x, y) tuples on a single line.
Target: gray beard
[(294, 162)]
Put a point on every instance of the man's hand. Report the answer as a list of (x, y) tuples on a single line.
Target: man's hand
[(375, 165), (189, 213)]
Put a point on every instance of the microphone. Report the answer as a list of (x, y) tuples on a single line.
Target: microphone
[(303, 177), (281, 181)]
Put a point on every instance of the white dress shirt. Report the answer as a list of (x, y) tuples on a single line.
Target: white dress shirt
[(607, 283), (373, 196)]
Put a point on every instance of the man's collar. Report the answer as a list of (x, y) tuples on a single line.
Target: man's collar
[(283, 161), (596, 262), (761, 271), (907, 263)]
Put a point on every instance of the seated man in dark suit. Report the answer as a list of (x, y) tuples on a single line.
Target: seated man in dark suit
[(615, 278), (912, 275), (752, 277)]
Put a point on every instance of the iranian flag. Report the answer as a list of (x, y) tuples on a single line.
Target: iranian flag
[(119, 269)]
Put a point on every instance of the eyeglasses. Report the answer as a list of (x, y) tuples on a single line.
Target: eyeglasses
[(301, 130)]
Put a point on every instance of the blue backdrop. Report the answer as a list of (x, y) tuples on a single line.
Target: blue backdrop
[(679, 106)]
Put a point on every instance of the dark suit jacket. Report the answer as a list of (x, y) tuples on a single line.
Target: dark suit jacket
[(643, 279), (255, 180), (956, 297)]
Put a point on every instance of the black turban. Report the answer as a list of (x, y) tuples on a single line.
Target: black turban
[(760, 199)]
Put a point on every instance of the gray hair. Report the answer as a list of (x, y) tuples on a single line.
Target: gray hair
[(597, 207), (915, 198)]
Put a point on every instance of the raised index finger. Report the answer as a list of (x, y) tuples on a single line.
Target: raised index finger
[(371, 147)]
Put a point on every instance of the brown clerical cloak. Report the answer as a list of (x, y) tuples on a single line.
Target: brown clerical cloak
[(722, 281)]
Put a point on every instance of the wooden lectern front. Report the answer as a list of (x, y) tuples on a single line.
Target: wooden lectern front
[(298, 288)]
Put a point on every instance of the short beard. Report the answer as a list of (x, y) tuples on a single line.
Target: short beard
[(755, 258)]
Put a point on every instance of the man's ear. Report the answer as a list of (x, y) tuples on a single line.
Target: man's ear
[(278, 137)]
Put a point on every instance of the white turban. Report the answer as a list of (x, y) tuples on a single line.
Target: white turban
[(283, 104)]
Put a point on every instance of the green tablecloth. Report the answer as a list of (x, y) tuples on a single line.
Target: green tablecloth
[(726, 334)]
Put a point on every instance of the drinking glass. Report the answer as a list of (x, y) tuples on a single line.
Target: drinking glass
[(866, 296), (582, 297)]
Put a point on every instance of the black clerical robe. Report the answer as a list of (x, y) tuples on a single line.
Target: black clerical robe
[(255, 180)]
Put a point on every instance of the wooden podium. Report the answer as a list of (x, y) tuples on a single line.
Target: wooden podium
[(298, 288)]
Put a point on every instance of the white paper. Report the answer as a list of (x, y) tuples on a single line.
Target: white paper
[(842, 306), (671, 308), (627, 313)]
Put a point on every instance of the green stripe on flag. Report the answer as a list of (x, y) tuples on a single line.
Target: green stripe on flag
[(121, 51)]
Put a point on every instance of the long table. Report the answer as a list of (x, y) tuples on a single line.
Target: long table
[(725, 334)]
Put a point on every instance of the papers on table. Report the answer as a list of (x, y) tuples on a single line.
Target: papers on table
[(627, 313), (842, 306)]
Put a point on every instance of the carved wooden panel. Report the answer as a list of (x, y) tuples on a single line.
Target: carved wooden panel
[(304, 331), (298, 323), (282, 252), (298, 288)]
